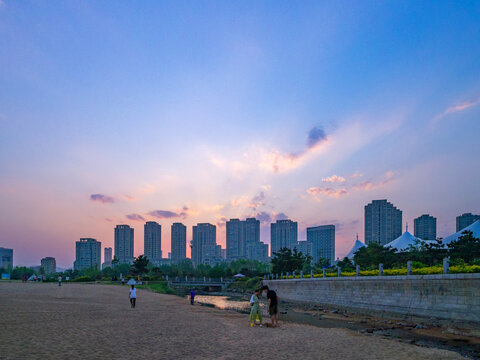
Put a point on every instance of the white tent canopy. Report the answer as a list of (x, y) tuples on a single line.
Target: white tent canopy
[(131, 282), (358, 245), (239, 275), (474, 228), (404, 241)]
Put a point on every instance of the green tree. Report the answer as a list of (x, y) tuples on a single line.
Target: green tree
[(322, 263), (374, 254), (466, 248), (115, 261), (346, 264), (139, 265), (287, 260)]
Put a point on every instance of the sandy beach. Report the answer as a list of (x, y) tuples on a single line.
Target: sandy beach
[(86, 321)]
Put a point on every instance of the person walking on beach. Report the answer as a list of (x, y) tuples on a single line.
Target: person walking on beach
[(59, 280), (133, 296), (255, 311), (192, 297), (272, 305)]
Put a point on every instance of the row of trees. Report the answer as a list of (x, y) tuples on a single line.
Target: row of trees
[(147, 270), (465, 250)]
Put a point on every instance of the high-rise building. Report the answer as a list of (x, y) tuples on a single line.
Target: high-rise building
[(283, 234), (239, 235), (107, 257), (124, 244), (425, 227), (465, 220), (257, 251), (6, 258), (235, 239), (49, 265), (322, 239), (179, 242), (383, 222), (305, 247), (152, 237), (87, 254), (204, 244)]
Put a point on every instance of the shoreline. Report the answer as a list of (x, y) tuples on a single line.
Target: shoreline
[(462, 341)]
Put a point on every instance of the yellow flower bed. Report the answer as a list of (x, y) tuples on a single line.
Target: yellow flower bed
[(432, 270)]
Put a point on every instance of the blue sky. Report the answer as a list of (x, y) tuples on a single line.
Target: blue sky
[(208, 106)]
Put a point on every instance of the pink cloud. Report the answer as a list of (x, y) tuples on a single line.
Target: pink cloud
[(333, 192), (456, 108), (334, 179), (328, 191)]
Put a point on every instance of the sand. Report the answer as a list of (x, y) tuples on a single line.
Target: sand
[(88, 321)]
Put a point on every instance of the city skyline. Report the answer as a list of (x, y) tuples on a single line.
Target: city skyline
[(127, 113)]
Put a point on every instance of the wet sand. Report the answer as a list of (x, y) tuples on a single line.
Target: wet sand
[(87, 321)]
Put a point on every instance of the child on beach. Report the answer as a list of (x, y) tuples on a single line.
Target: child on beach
[(255, 311), (133, 296)]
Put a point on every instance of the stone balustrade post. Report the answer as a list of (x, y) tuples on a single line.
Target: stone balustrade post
[(357, 270), (301, 274), (409, 268), (204, 279), (446, 265), (167, 277), (339, 271), (186, 278), (281, 275), (380, 270), (311, 274), (324, 273)]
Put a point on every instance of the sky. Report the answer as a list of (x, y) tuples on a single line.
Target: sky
[(125, 112)]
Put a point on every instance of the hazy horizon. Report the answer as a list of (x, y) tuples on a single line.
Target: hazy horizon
[(120, 113)]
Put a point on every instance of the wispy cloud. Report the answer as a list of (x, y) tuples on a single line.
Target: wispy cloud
[(166, 214), (135, 217), (278, 162), (104, 199), (328, 191), (338, 192), (334, 179), (456, 108), (369, 185)]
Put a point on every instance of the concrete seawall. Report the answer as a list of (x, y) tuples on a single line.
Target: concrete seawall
[(454, 297)]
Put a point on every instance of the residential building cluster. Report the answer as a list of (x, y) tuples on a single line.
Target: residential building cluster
[(383, 224)]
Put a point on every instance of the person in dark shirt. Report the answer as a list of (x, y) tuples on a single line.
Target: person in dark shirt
[(272, 305), (192, 297)]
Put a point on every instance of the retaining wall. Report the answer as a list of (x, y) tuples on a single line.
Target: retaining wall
[(451, 296)]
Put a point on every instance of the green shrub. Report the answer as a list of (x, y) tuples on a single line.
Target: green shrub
[(83, 279)]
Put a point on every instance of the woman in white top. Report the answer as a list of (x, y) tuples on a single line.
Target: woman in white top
[(133, 296)]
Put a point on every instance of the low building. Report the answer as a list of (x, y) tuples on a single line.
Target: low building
[(305, 247), (257, 251), (49, 265)]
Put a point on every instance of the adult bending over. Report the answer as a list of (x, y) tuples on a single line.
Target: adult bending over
[(272, 305)]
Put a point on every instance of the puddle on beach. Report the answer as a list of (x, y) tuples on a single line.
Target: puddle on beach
[(368, 326)]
